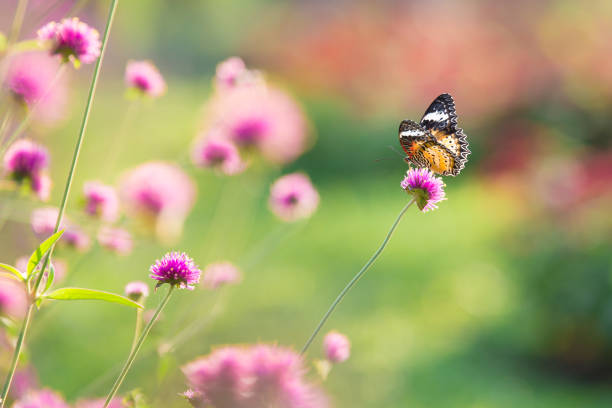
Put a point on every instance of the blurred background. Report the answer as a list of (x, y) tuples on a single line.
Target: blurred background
[(501, 298)]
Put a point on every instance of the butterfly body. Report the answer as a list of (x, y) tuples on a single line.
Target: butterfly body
[(436, 142)]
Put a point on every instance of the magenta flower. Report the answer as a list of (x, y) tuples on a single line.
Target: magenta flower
[(232, 73), (144, 77), (293, 197), (31, 79), (13, 298), (137, 290), (337, 347), (118, 240), (26, 161), (176, 268), (220, 274), (425, 187), (43, 221), (76, 238), (101, 201), (73, 40), (259, 118), (24, 382), (41, 399), (99, 403), (218, 154), (159, 193), (251, 377)]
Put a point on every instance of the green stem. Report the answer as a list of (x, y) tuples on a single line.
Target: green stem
[(132, 356), (5, 123), (137, 327), (16, 353), (355, 278), (18, 20), (92, 91)]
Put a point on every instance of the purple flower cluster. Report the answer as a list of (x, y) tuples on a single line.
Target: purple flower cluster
[(176, 269), (144, 77), (219, 154), (43, 222), (425, 187), (293, 197), (337, 347), (26, 161), (251, 377), (101, 201), (72, 39)]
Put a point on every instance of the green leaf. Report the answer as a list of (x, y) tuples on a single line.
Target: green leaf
[(50, 278), (90, 294), (3, 43), (14, 271), (42, 249)]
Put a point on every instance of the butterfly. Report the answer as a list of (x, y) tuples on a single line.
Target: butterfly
[(436, 143)]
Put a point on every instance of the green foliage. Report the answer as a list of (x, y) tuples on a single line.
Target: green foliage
[(90, 294), (39, 252), (135, 399), (14, 271)]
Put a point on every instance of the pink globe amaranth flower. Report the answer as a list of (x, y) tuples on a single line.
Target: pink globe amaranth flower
[(251, 377), (425, 187), (43, 221), (218, 154), (13, 298), (72, 39), (76, 238), (176, 268), (98, 403), (293, 197), (31, 77), (220, 274), (259, 118), (233, 73), (101, 201), (41, 399), (118, 240), (24, 382), (337, 347), (145, 77), (159, 193), (26, 161), (137, 290)]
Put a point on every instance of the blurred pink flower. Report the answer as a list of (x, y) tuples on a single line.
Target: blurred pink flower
[(73, 40), (160, 193), (101, 201), (232, 73), (31, 77), (26, 161), (262, 118), (251, 377), (220, 274), (337, 347), (43, 221), (293, 197), (425, 187), (218, 154), (13, 298), (24, 382), (118, 240), (176, 269), (98, 403), (137, 290), (76, 238), (145, 77), (41, 399)]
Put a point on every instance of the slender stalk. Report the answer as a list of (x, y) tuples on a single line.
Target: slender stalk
[(92, 91), (5, 124), (355, 278), (132, 356), (137, 327), (15, 360), (18, 20)]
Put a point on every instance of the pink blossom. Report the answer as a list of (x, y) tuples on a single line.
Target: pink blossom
[(145, 77), (219, 274), (137, 290), (337, 347), (43, 221), (101, 201), (13, 298), (73, 40), (118, 240), (26, 161), (425, 187), (219, 154), (293, 197), (41, 399)]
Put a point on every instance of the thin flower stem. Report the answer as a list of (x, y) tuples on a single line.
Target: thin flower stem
[(355, 278), (5, 124), (137, 327), (92, 91), (132, 356), (18, 20)]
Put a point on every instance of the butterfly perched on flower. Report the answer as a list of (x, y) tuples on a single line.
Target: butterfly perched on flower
[(436, 142)]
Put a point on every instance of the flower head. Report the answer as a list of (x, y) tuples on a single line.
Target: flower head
[(293, 197), (26, 161), (118, 240), (41, 399), (144, 77), (137, 290), (159, 193), (101, 201), (251, 377), (232, 73), (176, 268), (76, 238), (219, 274), (31, 78), (425, 187), (219, 154), (43, 221), (13, 298), (72, 39), (259, 118), (337, 347)]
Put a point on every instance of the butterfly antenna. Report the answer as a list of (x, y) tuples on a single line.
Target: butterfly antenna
[(396, 151)]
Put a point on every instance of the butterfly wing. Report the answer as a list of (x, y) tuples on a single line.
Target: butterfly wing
[(440, 119), (434, 156), (409, 134)]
